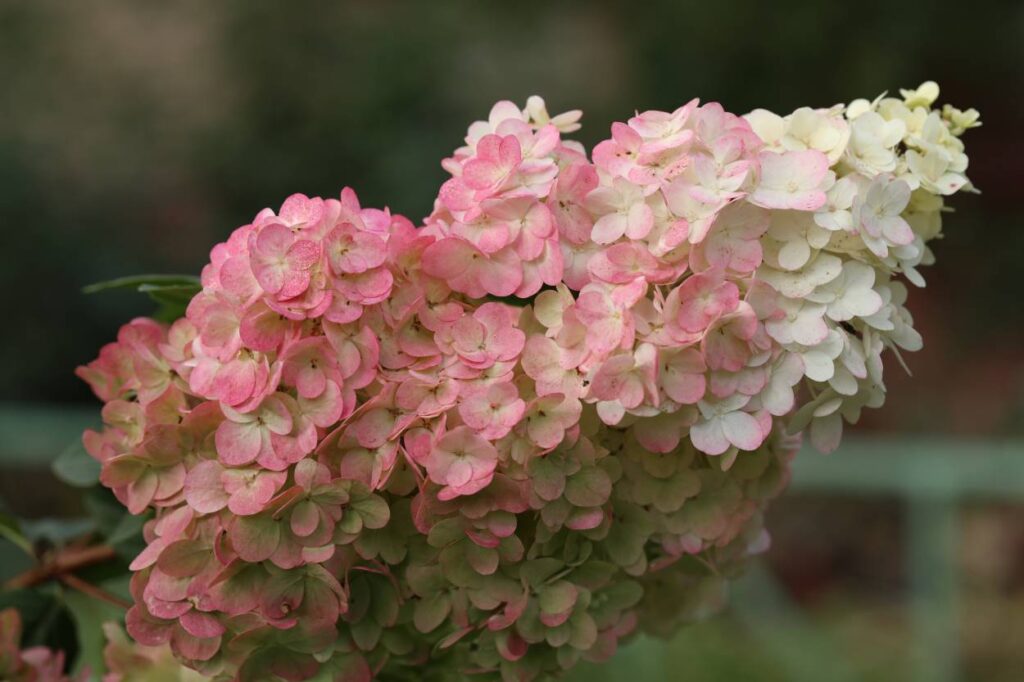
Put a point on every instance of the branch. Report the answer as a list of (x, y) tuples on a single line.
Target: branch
[(76, 583), (60, 564)]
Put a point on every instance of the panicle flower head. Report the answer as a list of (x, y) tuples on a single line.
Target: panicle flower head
[(504, 440)]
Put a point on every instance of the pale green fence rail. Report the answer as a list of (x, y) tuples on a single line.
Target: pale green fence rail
[(932, 477)]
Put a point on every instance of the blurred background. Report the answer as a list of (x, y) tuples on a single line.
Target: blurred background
[(135, 135)]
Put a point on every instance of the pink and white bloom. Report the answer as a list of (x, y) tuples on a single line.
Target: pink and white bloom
[(492, 411), (467, 269), (622, 210), (461, 461), (792, 180), (363, 427), (487, 336), (724, 424), (878, 215), (280, 262), (699, 301), (244, 437)]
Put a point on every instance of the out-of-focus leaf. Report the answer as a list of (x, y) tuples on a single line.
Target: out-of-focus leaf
[(31, 604), (126, 537), (121, 530), (45, 620), (173, 299), (75, 467), (137, 282), (169, 313), (56, 531), (171, 292), (89, 615), (10, 529), (127, 528), (104, 508), (13, 560)]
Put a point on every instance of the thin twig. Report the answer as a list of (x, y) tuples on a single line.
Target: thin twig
[(76, 583), (63, 562)]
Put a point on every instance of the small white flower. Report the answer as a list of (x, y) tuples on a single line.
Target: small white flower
[(803, 323), (861, 106), (777, 396), (934, 170), (851, 294), (824, 267), (566, 122), (872, 142), (797, 239), (913, 118), (924, 96), (960, 121), (850, 367), (769, 126), (819, 130), (793, 180), (819, 360), (724, 424), (836, 215), (878, 214)]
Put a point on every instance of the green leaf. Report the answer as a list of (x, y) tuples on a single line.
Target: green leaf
[(173, 299), (33, 605), (89, 615), (126, 537), (10, 529), (13, 560), (56, 531), (169, 313), (45, 620), (104, 508), (137, 282), (171, 292), (76, 467)]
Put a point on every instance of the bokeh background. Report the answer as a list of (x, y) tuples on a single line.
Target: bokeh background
[(135, 135)]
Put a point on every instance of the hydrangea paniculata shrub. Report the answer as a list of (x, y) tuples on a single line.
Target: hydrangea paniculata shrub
[(549, 417)]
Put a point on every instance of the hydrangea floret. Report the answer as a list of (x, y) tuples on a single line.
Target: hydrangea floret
[(549, 417)]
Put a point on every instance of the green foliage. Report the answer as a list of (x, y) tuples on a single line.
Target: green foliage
[(10, 530), (75, 467), (89, 614), (171, 293), (45, 617)]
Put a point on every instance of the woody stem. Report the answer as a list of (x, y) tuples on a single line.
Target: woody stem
[(61, 564)]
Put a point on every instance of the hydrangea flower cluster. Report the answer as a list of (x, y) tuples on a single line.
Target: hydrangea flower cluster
[(505, 440)]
